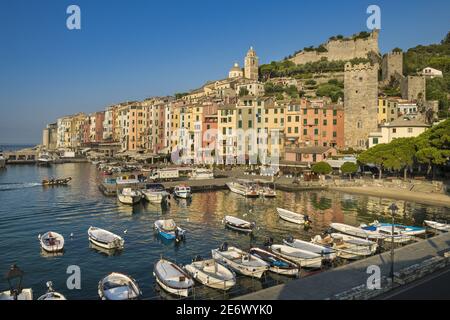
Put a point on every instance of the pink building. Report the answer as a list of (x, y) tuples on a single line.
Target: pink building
[(99, 118)]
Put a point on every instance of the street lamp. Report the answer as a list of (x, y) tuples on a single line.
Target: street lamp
[(14, 278), (393, 207)]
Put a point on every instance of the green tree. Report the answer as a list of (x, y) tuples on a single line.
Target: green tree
[(349, 168), (322, 168)]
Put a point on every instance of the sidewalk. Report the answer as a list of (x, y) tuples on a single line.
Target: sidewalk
[(338, 280)]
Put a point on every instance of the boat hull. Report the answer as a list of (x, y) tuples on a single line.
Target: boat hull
[(290, 216), (254, 272), (209, 280), (130, 200)]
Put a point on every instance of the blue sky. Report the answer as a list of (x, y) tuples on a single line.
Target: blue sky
[(130, 50)]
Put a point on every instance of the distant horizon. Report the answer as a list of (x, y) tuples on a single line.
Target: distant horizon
[(130, 53)]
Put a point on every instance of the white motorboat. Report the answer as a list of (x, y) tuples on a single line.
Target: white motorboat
[(326, 252), (397, 236), (129, 196), (105, 239), (169, 230), (44, 159), (155, 193), (304, 259), (182, 191), (202, 174), (173, 278), (239, 224), (117, 286), (51, 294), (240, 261), (357, 232), (276, 263), (292, 216), (437, 225), (245, 188), (211, 274), (347, 247), (407, 230), (52, 241), (25, 294)]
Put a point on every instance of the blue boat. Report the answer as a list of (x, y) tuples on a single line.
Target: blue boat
[(276, 264), (402, 229), (169, 230)]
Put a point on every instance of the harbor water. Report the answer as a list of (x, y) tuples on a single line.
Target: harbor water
[(28, 209)]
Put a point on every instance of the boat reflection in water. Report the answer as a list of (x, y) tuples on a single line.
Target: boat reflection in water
[(104, 251), (47, 254)]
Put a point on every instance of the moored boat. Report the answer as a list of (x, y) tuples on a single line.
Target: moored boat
[(211, 274), (293, 217), (244, 187), (51, 294), (202, 174), (276, 263), (169, 230), (356, 232), (118, 286), (127, 180), (407, 230), (182, 191), (326, 252), (155, 193), (105, 239), (173, 278), (2, 160), (129, 196), (347, 247), (303, 258), (239, 224), (44, 159), (240, 261), (437, 225), (56, 182), (25, 294), (52, 241)]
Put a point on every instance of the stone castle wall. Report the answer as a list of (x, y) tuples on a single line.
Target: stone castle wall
[(392, 64), (341, 50), (413, 88), (360, 104)]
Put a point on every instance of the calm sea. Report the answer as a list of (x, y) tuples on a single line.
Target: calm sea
[(27, 209)]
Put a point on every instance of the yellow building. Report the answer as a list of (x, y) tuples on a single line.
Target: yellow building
[(292, 128), (226, 132), (387, 109)]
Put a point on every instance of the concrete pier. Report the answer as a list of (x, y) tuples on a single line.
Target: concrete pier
[(338, 282)]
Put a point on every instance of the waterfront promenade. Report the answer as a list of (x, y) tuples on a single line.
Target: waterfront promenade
[(330, 283)]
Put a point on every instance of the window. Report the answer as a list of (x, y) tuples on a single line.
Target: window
[(289, 119), (316, 132), (296, 129), (316, 111), (334, 134), (316, 122), (297, 118), (250, 123), (325, 122), (394, 130), (334, 113), (410, 130), (289, 130), (240, 124), (305, 111), (334, 122), (374, 140), (305, 122), (305, 132)]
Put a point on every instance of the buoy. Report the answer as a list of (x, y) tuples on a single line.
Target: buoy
[(125, 231), (71, 234)]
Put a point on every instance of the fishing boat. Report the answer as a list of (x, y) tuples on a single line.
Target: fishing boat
[(303, 258), (356, 232), (347, 247), (155, 193), (211, 274), (117, 286), (52, 241), (129, 196), (244, 187), (408, 230), (239, 224), (56, 182), (293, 216), (437, 225), (105, 239), (169, 230), (25, 294), (51, 294), (326, 252), (44, 159), (173, 278), (182, 191), (276, 263), (240, 261), (202, 174)]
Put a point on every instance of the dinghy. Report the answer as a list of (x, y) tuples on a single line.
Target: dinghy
[(105, 239), (408, 230), (25, 294), (155, 193), (277, 264), (304, 259), (239, 224), (356, 232), (129, 196), (172, 278), (292, 216), (52, 241), (326, 252), (117, 286), (240, 261), (211, 274), (386, 233), (437, 225), (169, 230), (51, 294), (245, 188), (347, 248)]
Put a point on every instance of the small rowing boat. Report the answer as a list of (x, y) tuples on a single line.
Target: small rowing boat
[(211, 274), (52, 241), (408, 230), (105, 239), (437, 225), (239, 224), (51, 294), (169, 230), (117, 286), (293, 217), (326, 252), (276, 263), (129, 196), (305, 259), (173, 278)]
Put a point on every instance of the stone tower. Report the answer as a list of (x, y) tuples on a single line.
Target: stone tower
[(392, 64), (251, 65), (413, 88), (360, 104)]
